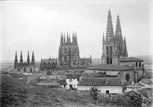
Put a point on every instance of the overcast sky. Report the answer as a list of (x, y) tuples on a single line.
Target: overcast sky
[(35, 25)]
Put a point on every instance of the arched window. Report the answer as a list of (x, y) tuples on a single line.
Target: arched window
[(30, 69), (127, 77), (25, 70)]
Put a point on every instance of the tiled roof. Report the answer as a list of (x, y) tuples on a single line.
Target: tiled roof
[(130, 59), (110, 67), (96, 75), (148, 74), (73, 76), (48, 61), (113, 81)]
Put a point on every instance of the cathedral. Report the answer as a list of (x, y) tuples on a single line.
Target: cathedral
[(24, 66), (69, 55), (115, 54), (114, 46)]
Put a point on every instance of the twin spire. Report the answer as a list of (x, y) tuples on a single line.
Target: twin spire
[(21, 58), (66, 39), (117, 37)]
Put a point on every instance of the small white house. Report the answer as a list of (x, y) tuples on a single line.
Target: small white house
[(104, 85), (72, 80)]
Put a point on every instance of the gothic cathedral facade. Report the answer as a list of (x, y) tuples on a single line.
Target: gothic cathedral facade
[(21, 66), (68, 51), (69, 55), (114, 46)]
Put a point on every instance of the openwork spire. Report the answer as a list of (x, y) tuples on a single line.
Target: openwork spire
[(76, 39), (109, 32), (103, 41), (118, 32), (67, 40), (61, 41), (118, 27), (21, 57), (33, 57), (118, 37), (64, 38), (125, 48), (28, 58), (16, 57)]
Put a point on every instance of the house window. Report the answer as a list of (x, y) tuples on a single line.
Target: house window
[(71, 87), (127, 77), (107, 91)]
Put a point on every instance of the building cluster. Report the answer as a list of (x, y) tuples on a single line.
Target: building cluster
[(68, 55), (116, 70)]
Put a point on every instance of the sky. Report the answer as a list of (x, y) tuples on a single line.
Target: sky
[(36, 25)]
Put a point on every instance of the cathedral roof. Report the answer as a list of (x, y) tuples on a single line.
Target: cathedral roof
[(99, 75), (48, 61), (113, 81), (73, 76), (110, 67), (130, 59)]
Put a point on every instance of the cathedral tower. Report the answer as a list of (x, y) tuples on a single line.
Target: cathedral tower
[(109, 54), (68, 55), (28, 58), (33, 58), (21, 57), (125, 52), (16, 60), (114, 47), (109, 30)]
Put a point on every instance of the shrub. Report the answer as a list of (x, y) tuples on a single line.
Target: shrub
[(94, 93), (13, 91)]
